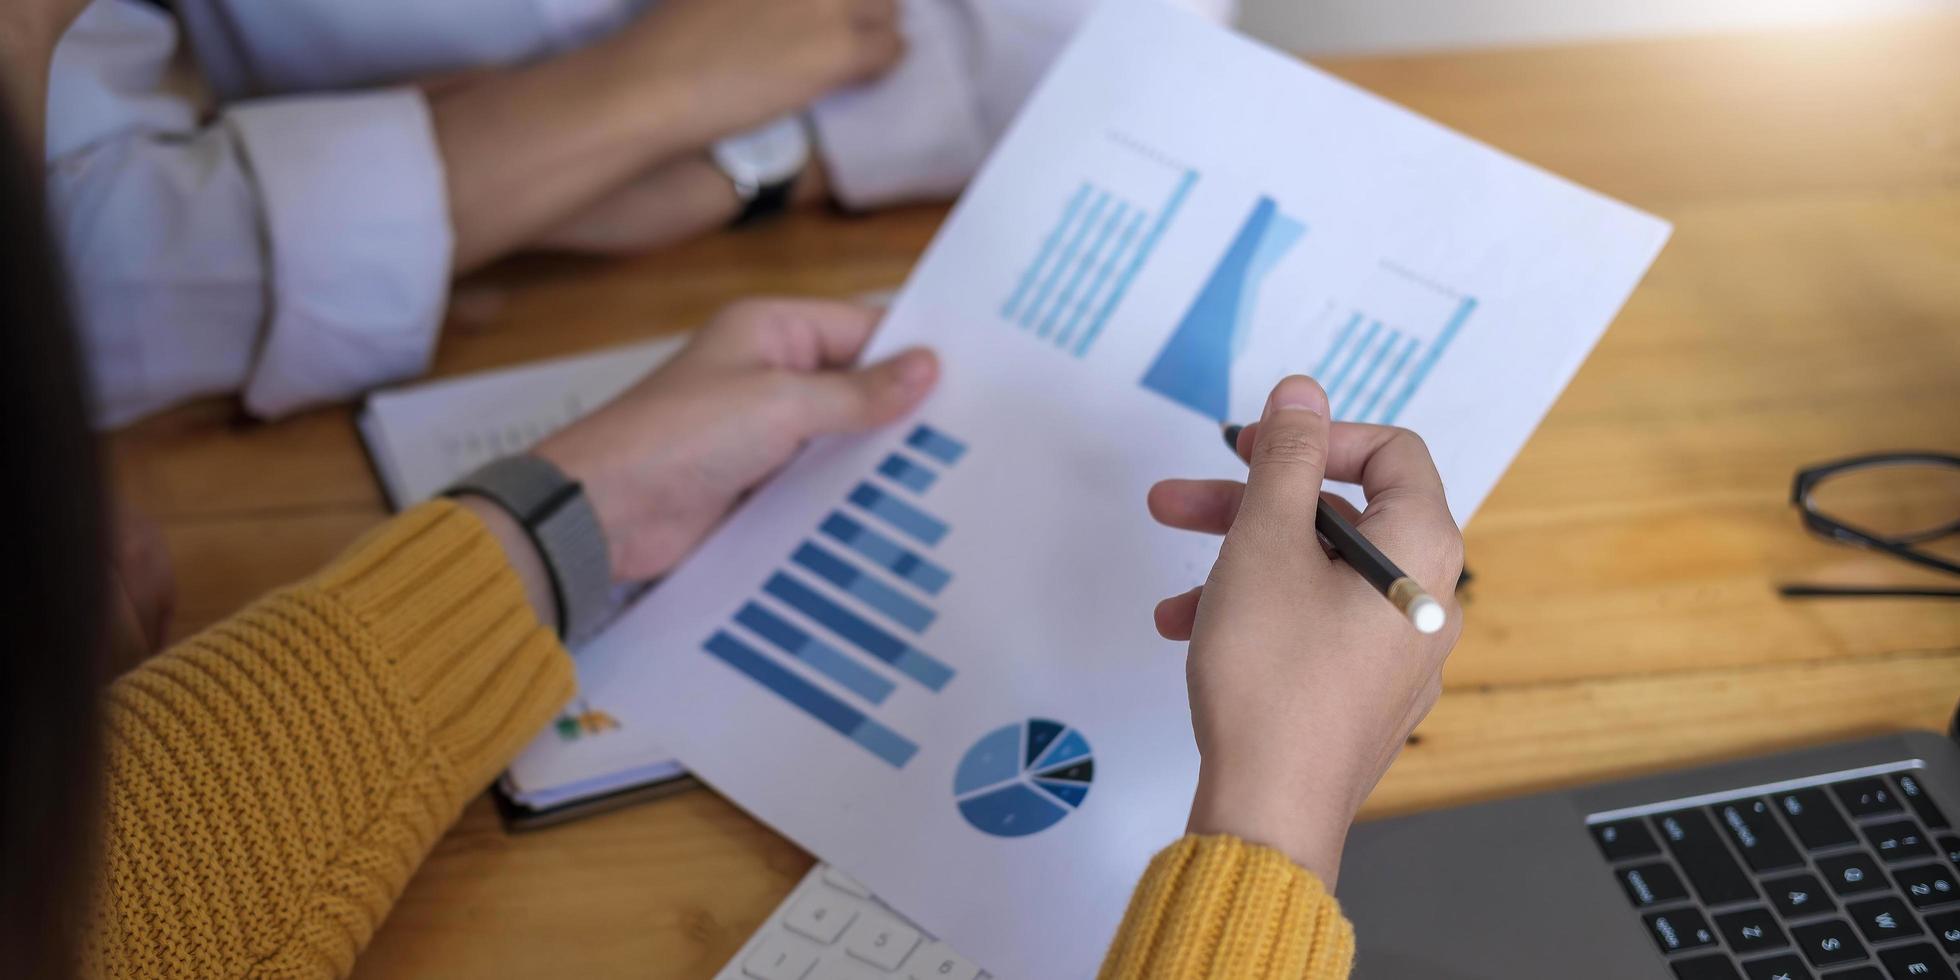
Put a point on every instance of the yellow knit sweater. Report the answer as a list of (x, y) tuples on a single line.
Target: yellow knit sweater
[(274, 781)]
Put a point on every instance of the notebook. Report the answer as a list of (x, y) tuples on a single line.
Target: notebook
[(422, 436)]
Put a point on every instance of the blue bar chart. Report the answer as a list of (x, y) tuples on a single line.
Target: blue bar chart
[(1194, 368), (834, 632), (1374, 365), (1087, 260)]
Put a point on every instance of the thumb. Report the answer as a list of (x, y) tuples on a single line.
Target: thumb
[(828, 402), (1288, 462)]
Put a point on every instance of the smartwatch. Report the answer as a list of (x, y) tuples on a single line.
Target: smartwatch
[(763, 164), (555, 514)]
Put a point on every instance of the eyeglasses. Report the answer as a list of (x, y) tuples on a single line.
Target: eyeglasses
[(1893, 503)]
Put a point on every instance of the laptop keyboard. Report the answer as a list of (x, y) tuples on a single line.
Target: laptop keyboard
[(832, 928), (1846, 877)]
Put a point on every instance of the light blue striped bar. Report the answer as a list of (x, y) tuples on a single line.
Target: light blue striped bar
[(1388, 381), (1061, 265), (1340, 341), (1354, 354), (902, 562), (1164, 217), (936, 444), (1109, 265), (1087, 261), (919, 525), (897, 606), (828, 660), (1375, 362), (1010, 308), (853, 724), (907, 474), (866, 636), (1429, 359)]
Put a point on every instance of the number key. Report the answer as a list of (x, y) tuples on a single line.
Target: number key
[(880, 941), (1829, 942), (779, 957), (937, 961), (1950, 846), (1898, 840), (1927, 885), (821, 914), (1866, 797), (1850, 874)]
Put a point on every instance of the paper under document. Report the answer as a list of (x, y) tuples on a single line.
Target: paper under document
[(926, 653)]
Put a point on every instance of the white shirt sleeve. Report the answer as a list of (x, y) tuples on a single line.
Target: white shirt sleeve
[(294, 249), (921, 131)]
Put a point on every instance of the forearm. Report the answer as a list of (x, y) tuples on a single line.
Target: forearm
[(527, 148), (673, 202), (28, 32), (272, 782)]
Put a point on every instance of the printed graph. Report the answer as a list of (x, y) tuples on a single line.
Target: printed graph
[(1194, 368), (1105, 232), (1378, 358), (1022, 779), (834, 631)]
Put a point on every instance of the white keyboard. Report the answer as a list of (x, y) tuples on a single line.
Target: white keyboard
[(832, 928)]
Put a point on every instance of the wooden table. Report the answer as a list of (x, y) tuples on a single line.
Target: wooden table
[(1622, 619)]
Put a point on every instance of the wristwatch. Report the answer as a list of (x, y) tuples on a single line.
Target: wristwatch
[(554, 512), (763, 164)]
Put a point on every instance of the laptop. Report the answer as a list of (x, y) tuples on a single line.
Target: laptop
[(1832, 863)]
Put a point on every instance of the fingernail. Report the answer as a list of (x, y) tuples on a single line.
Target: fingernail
[(1300, 392), (915, 368)]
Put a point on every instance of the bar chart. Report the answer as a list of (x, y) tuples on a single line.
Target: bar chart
[(1378, 358), (1100, 241), (835, 631), (1194, 368)]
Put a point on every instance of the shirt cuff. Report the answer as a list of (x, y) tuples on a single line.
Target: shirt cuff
[(356, 226), (915, 134)]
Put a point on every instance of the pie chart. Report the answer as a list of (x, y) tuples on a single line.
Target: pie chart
[(1022, 779)]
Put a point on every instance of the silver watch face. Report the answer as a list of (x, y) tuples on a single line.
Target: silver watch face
[(771, 154)]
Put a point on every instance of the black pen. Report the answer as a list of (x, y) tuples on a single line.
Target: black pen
[(1421, 608)]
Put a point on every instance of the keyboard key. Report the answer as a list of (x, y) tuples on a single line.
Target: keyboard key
[(1652, 884), (1898, 840), (1946, 929), (1799, 895), (1915, 794), (1825, 943), (821, 914), (1785, 967), (779, 957), (937, 961), (1624, 839), (1866, 797), (1680, 929), (1927, 885), (1755, 833), (1851, 874), (880, 940), (1706, 861), (1950, 846), (1917, 962), (1814, 817), (1751, 931), (1881, 919), (1716, 967), (1857, 973)]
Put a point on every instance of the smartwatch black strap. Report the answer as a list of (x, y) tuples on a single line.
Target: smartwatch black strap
[(769, 201), (554, 512)]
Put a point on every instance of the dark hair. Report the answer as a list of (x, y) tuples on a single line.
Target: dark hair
[(54, 593)]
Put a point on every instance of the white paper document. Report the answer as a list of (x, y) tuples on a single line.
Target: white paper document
[(926, 654)]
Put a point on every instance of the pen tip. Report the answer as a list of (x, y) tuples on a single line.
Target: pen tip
[(1232, 435)]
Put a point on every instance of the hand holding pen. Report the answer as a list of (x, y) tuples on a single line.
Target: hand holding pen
[(1304, 682)]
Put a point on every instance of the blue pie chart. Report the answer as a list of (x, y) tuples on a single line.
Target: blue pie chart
[(1024, 778)]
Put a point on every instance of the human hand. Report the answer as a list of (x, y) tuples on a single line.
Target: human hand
[(665, 461), (1305, 682), (736, 64)]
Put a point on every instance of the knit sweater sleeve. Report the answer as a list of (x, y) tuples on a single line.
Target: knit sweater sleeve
[(273, 781), (1212, 908)]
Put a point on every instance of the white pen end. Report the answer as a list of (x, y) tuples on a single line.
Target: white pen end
[(1427, 614)]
